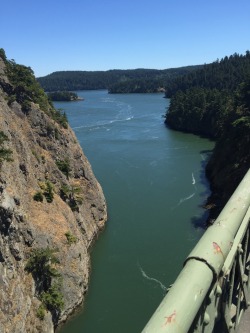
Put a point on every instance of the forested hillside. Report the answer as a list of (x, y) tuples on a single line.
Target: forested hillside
[(225, 74), (117, 81), (150, 83), (215, 102)]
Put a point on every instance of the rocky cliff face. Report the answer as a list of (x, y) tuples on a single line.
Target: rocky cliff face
[(39, 146)]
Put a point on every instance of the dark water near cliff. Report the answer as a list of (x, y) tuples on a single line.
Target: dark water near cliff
[(153, 180)]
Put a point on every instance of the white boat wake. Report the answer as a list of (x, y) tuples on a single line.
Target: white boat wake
[(184, 199), (193, 179), (164, 288), (102, 124)]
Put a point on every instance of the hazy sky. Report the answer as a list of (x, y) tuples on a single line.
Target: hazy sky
[(52, 35)]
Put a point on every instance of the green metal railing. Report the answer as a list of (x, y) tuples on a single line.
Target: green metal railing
[(211, 292)]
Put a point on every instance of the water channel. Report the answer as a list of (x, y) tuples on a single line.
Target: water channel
[(153, 180)]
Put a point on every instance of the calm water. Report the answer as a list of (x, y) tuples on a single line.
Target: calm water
[(153, 180)]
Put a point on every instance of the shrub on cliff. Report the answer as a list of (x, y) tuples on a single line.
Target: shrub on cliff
[(48, 192), (5, 154), (38, 196), (72, 195), (53, 298), (64, 166), (71, 239), (42, 265)]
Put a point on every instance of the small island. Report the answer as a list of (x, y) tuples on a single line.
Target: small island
[(65, 96)]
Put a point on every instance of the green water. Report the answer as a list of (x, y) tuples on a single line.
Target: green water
[(154, 184)]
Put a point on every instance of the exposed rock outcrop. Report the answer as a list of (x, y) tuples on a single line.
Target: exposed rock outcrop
[(38, 143)]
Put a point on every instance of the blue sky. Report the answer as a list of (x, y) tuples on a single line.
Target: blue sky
[(52, 35)]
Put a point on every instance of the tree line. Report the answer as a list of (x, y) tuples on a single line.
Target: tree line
[(116, 81)]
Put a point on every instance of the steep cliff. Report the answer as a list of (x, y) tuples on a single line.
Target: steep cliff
[(49, 199)]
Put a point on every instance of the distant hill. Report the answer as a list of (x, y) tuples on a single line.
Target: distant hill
[(116, 81)]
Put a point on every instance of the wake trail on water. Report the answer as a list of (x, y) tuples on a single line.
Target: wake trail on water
[(202, 157), (102, 124), (189, 196), (164, 288), (184, 199), (193, 179)]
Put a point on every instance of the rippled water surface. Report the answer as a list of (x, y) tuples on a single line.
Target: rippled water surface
[(153, 181)]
